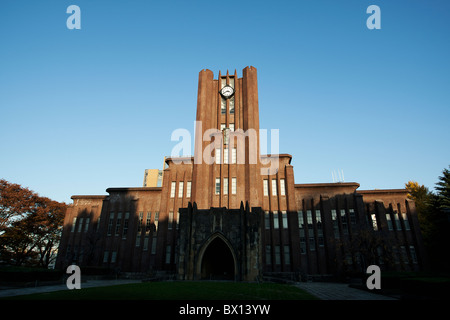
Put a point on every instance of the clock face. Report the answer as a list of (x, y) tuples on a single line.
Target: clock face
[(227, 91)]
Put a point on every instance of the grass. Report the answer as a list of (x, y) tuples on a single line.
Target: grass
[(179, 290)]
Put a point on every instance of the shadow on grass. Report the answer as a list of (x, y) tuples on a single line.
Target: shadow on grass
[(179, 290)]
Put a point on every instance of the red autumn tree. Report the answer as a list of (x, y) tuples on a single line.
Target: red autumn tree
[(30, 225)]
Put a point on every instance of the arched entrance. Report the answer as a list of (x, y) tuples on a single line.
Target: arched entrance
[(217, 262)]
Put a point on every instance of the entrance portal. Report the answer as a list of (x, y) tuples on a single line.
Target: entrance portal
[(218, 261)]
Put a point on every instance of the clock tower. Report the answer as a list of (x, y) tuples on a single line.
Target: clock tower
[(227, 153)]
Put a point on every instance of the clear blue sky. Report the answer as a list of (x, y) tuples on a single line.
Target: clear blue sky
[(84, 110)]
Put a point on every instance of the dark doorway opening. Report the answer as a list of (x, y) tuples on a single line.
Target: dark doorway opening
[(218, 261)]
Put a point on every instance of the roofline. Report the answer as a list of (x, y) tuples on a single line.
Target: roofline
[(124, 189), (377, 191), (329, 184), (88, 197)]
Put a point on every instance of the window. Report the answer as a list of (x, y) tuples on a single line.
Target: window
[(80, 225), (168, 254), (398, 225), (86, 225), (284, 219), (282, 188), (222, 126), (225, 185), (344, 221), (225, 155), (277, 255), (223, 105), (268, 255), (233, 185), (170, 220), (405, 221), (302, 242), (335, 223), (74, 223), (312, 244), (374, 222), (113, 257), (118, 223), (274, 187), (141, 218), (412, 251), (309, 218), (233, 156), (300, 219), (156, 222), (232, 105), (389, 221), (110, 223), (217, 185), (352, 216), (231, 126), (287, 255), (148, 223), (275, 220), (180, 189), (172, 189), (188, 189), (154, 245), (105, 256), (267, 220), (266, 187), (125, 225), (217, 156)]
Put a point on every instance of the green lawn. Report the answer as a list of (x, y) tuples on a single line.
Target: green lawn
[(179, 290)]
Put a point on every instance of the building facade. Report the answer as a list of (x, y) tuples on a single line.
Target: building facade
[(229, 212)]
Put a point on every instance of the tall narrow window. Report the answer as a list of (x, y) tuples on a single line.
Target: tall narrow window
[(275, 220), (335, 223), (231, 126), (268, 255), (188, 189), (374, 222), (231, 105), (233, 155), (110, 223), (282, 187), (154, 245), (225, 155), (266, 187), (287, 255), (222, 126), (172, 189), (344, 221), (389, 221), (113, 256), (80, 225), (180, 189), (125, 225), (223, 105), (267, 220), (277, 255), (105, 256), (284, 219), (405, 221), (217, 185), (274, 187), (217, 156), (74, 223), (86, 225), (168, 254), (309, 219), (118, 223), (398, 225), (148, 223), (170, 220), (225, 185), (233, 185), (156, 222)]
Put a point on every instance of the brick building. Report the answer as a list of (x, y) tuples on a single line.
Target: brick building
[(231, 213)]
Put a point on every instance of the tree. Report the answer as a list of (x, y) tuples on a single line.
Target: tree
[(433, 210), (31, 225)]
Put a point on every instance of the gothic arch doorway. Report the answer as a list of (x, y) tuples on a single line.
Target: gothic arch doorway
[(217, 260)]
